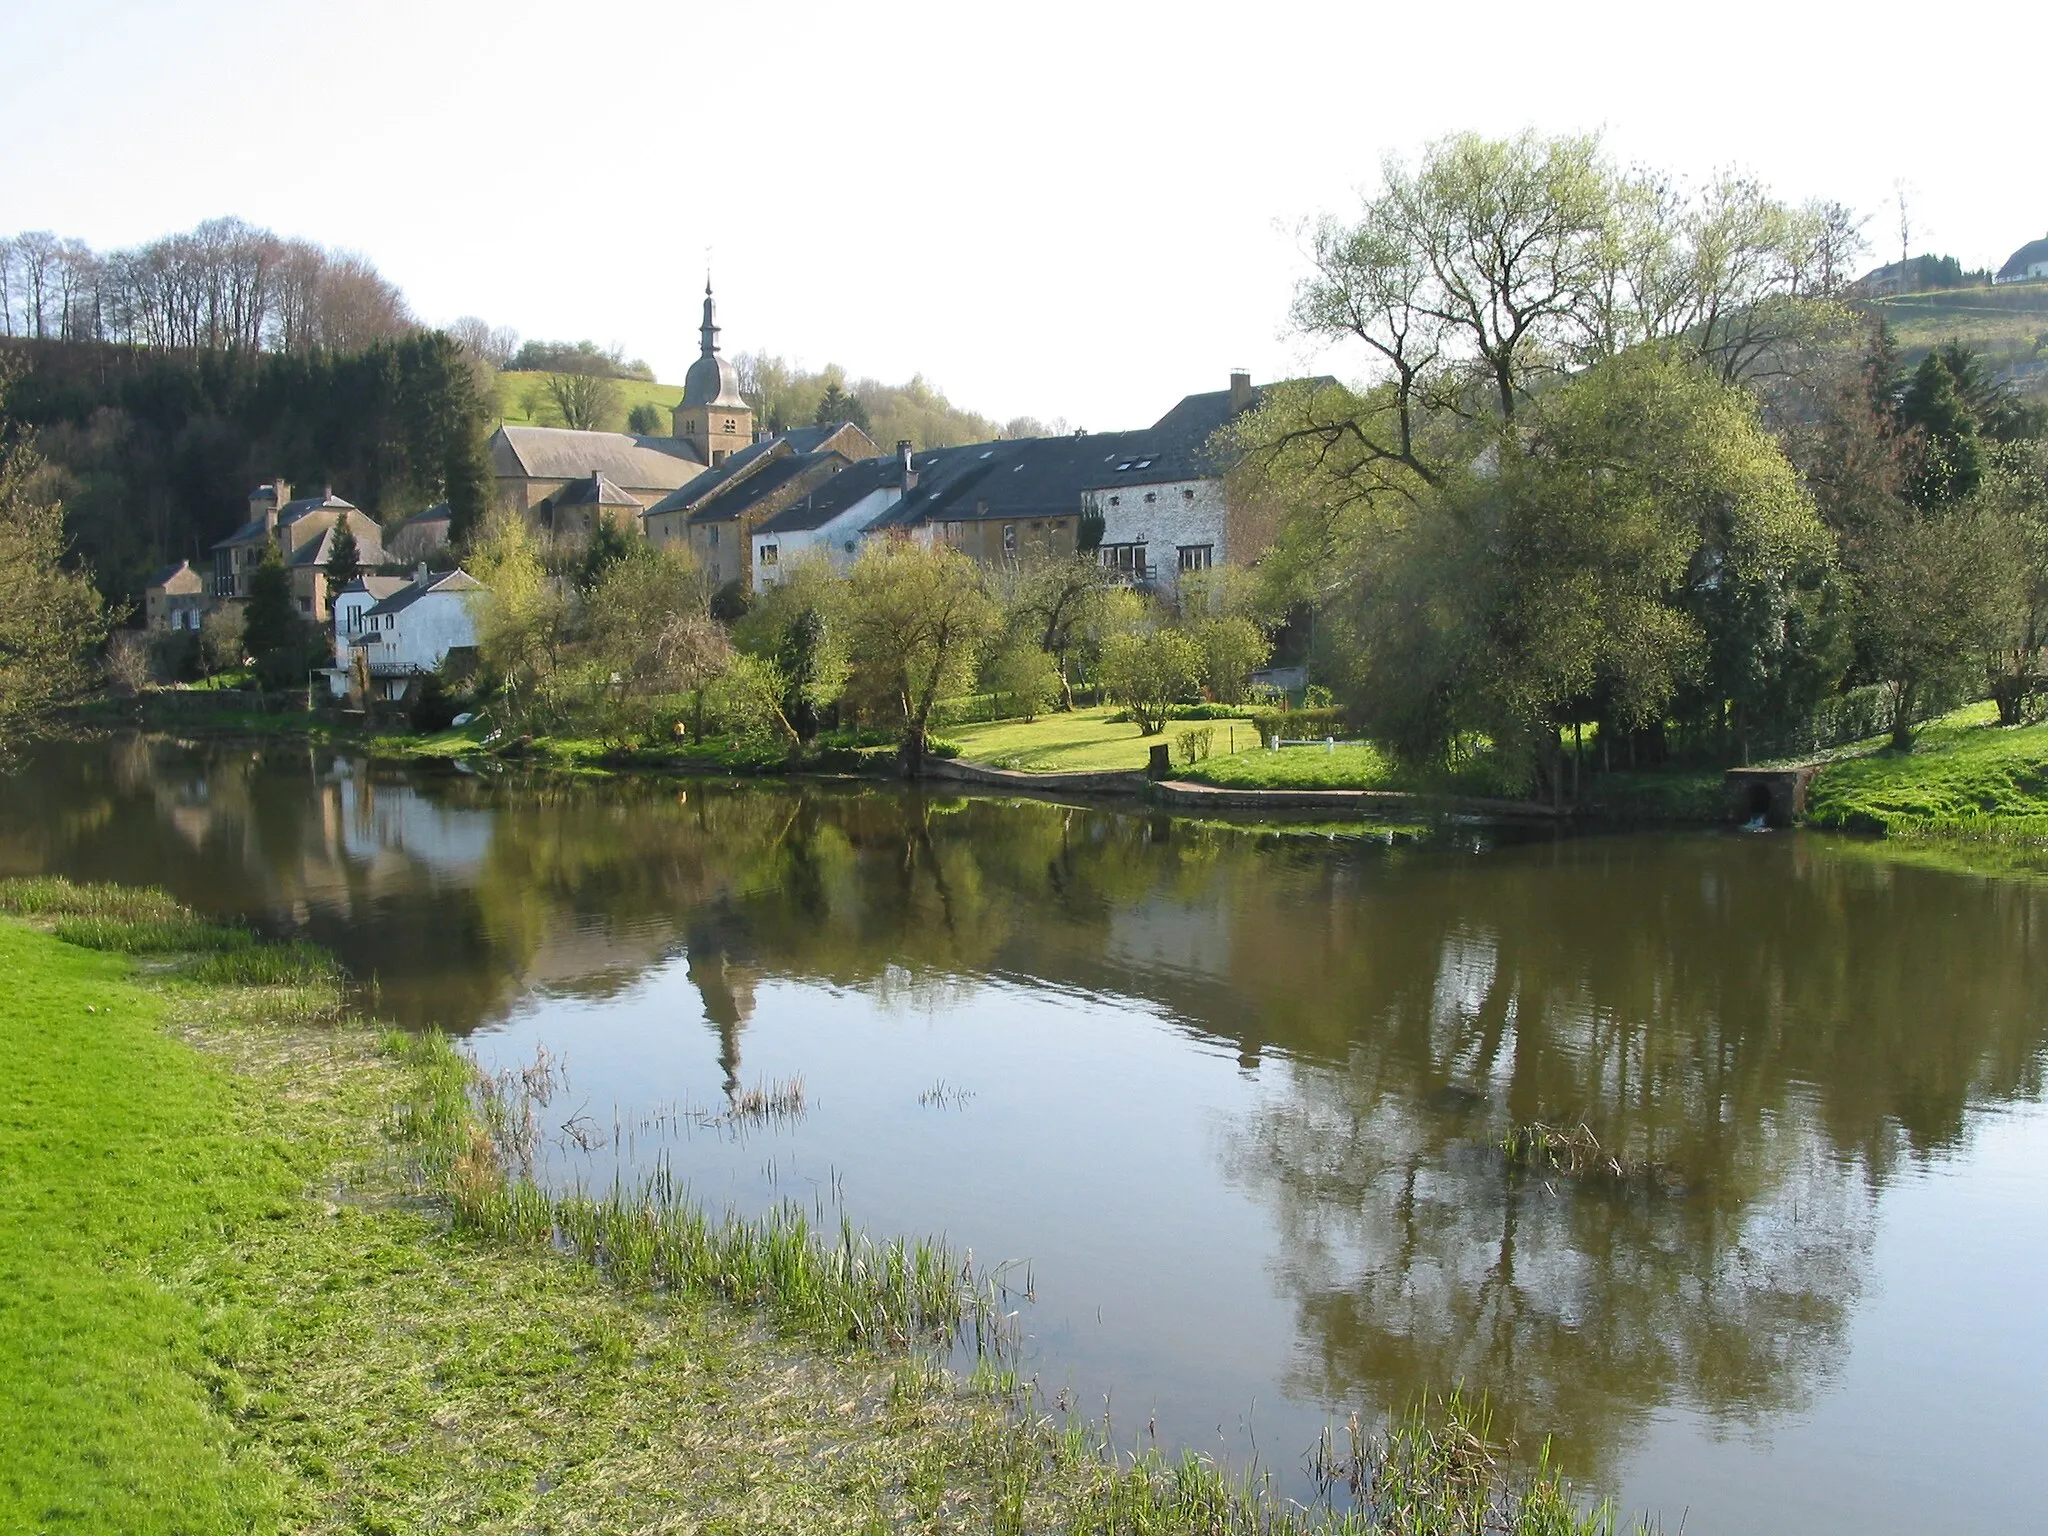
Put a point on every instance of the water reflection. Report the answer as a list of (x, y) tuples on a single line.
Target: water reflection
[(1785, 1024)]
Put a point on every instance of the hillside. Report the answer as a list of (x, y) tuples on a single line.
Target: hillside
[(2008, 325), (523, 401)]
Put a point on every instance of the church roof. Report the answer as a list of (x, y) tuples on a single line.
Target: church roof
[(559, 453), (712, 382)]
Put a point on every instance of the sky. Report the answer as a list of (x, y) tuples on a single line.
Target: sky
[(1079, 212)]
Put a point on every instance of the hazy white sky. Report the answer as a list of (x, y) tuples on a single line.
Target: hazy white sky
[(1082, 211)]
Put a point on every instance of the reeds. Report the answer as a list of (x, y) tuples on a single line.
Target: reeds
[(293, 963), (773, 1102), (841, 1286), (1577, 1154), (183, 934), (147, 921)]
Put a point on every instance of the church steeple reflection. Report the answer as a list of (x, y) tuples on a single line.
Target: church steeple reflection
[(727, 989)]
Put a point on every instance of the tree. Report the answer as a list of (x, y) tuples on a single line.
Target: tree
[(220, 640), (1023, 676), (277, 637), (584, 402), (1950, 453), (344, 559), (798, 625), (1233, 648), (836, 406), (644, 419), (916, 619), (51, 619), (493, 344), (2015, 497), (522, 618), (647, 632), (1149, 673), (1052, 602)]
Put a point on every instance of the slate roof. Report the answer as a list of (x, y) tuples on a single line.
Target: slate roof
[(836, 495), (369, 543), (2017, 263), (378, 587), (170, 573), (557, 453), (1178, 442), (300, 506), (420, 535), (596, 490), (412, 591), (1021, 478), (740, 464), (735, 499)]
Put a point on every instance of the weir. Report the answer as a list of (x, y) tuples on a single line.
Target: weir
[(1776, 794)]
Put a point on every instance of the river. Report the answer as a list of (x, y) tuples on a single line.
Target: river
[(1228, 1097)]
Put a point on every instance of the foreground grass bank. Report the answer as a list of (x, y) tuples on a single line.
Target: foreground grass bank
[(265, 1270), (1965, 776)]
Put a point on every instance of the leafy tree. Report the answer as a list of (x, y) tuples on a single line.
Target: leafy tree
[(916, 619), (796, 625), (1023, 676), (221, 645), (1149, 673), (522, 619), (1052, 602), (344, 559), (609, 543), (644, 420), (51, 619), (1233, 648), (1951, 455), (584, 402), (647, 633)]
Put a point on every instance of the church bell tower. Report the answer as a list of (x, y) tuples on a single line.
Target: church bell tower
[(714, 418)]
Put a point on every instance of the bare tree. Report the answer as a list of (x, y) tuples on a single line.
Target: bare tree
[(493, 344)]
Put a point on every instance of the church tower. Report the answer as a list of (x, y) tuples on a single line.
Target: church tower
[(714, 418)]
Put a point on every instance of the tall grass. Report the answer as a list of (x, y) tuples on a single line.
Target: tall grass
[(171, 935), (54, 896)]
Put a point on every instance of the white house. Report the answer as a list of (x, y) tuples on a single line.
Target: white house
[(2027, 264), (402, 629), (828, 522)]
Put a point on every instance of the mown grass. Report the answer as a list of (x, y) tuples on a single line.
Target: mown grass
[(254, 1281), (1345, 767), (1966, 777), (1086, 739)]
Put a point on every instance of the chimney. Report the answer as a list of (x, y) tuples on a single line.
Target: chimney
[(419, 574), (1240, 390), (909, 470)]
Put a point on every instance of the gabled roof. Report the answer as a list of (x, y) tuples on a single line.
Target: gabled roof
[(252, 532), (557, 453), (410, 592), (738, 466), (596, 490), (377, 587), (2017, 263), (419, 535), (169, 574), (784, 472), (299, 507), (837, 494), (1178, 442), (369, 542), (1031, 477)]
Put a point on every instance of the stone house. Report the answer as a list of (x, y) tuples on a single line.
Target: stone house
[(828, 522), (303, 532), (175, 598)]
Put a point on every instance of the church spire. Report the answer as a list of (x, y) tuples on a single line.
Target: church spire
[(710, 330)]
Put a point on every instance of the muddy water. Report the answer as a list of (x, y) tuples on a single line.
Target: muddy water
[(1229, 1097)]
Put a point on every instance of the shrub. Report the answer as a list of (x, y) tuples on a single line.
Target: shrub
[(433, 708), (1192, 746), (1149, 673)]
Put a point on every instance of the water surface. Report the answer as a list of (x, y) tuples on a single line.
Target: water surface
[(1229, 1096)]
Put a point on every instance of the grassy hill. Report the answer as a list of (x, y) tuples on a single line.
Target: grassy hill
[(523, 400), (2008, 325)]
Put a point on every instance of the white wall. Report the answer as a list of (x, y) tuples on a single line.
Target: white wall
[(1179, 512), (828, 539), (419, 638)]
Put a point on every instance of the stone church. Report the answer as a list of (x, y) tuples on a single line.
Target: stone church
[(539, 467)]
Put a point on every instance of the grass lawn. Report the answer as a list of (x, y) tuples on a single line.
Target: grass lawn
[(1966, 775), (1361, 767), (1055, 743), (519, 391)]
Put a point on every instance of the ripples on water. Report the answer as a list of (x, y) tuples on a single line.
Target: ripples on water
[(1234, 1094)]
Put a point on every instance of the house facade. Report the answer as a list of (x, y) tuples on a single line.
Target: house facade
[(2026, 265), (303, 531), (175, 598), (391, 630)]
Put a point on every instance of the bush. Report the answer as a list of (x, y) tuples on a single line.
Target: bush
[(1301, 724), (433, 708), (1194, 745), (1209, 712), (936, 747)]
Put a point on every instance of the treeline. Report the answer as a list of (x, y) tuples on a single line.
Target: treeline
[(153, 451), (224, 285), (614, 638), (1632, 471), (785, 396)]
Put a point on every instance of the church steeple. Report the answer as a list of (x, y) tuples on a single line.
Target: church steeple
[(710, 330), (713, 416)]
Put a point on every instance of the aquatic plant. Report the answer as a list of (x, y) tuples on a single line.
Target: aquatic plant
[(55, 896), (183, 934), (1577, 1153)]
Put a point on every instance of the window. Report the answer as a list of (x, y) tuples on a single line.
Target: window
[(1187, 493), (1150, 497), (950, 532), (1009, 538), (1116, 501), (768, 554), (1196, 557), (1125, 559), (731, 425), (711, 535)]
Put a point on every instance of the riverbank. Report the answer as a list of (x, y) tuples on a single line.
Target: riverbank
[(266, 1271)]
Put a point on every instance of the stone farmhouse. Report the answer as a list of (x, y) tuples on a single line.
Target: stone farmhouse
[(1155, 496), (303, 531)]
